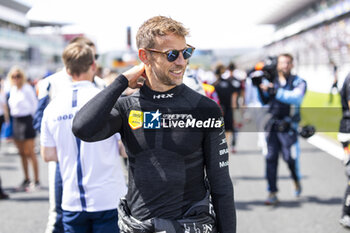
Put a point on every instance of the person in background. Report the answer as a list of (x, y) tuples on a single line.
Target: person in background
[(255, 113), (334, 86), (344, 138), (48, 89), (283, 96), (237, 83), (193, 81), (93, 180), (210, 92), (4, 119), (23, 103), (236, 77), (225, 91)]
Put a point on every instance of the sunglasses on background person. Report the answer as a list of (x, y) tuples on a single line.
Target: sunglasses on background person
[(16, 76), (173, 54)]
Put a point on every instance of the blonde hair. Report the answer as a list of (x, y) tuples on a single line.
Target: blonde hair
[(13, 70), (82, 39), (158, 26), (77, 58)]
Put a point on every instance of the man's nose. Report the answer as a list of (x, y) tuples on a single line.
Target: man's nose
[(181, 60)]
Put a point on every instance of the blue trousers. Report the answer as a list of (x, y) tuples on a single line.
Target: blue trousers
[(276, 143), (91, 222), (58, 225)]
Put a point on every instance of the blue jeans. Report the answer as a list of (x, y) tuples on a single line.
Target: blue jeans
[(276, 143)]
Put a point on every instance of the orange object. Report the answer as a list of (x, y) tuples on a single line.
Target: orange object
[(259, 65)]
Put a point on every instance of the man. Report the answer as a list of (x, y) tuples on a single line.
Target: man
[(285, 91), (92, 176), (344, 138), (334, 86), (192, 80), (169, 152), (48, 89), (225, 91)]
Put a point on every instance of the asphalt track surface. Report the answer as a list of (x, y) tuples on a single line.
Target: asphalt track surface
[(317, 210)]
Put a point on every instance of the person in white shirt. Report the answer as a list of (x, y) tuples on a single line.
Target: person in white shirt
[(93, 180), (23, 103), (48, 89), (4, 117)]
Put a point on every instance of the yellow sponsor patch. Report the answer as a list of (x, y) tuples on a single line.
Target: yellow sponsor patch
[(135, 119)]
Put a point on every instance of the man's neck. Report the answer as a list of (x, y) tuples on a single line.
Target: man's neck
[(282, 76), (159, 88), (82, 77), (155, 85)]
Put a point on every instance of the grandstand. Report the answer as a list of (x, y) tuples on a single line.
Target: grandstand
[(35, 53), (316, 33)]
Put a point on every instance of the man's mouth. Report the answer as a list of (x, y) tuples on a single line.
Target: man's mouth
[(176, 72)]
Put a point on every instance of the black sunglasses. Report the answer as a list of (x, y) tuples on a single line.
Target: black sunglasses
[(96, 56), (16, 76), (173, 54)]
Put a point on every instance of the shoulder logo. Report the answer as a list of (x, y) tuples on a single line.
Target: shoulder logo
[(135, 119)]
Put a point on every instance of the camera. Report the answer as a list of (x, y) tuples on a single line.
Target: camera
[(265, 70), (307, 131)]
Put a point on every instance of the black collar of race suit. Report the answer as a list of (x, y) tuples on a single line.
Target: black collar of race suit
[(155, 95)]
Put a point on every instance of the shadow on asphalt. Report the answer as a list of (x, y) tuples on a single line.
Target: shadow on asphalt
[(247, 152), (16, 190), (330, 201), (249, 205), (8, 168), (26, 199), (254, 178), (310, 150), (258, 152)]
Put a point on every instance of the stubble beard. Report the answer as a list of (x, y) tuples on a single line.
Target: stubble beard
[(167, 80)]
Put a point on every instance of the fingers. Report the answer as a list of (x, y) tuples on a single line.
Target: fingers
[(135, 72), (134, 76)]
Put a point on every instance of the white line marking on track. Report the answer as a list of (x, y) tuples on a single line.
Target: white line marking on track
[(327, 145)]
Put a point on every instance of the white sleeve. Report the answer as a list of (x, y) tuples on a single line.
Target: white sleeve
[(43, 88), (118, 137), (46, 138), (32, 98)]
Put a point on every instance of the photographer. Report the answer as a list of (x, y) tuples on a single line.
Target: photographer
[(283, 93)]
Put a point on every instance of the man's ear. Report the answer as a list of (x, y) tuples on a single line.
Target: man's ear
[(144, 56), (68, 72), (94, 66)]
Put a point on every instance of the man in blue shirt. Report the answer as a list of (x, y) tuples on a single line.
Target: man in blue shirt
[(284, 96)]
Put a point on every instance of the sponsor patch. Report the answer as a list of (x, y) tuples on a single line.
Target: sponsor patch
[(135, 119), (152, 120), (158, 120)]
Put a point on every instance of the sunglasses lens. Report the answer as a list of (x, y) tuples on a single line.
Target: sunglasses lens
[(96, 56), (173, 55), (187, 53)]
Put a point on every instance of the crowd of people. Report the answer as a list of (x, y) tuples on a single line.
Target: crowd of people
[(154, 116)]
